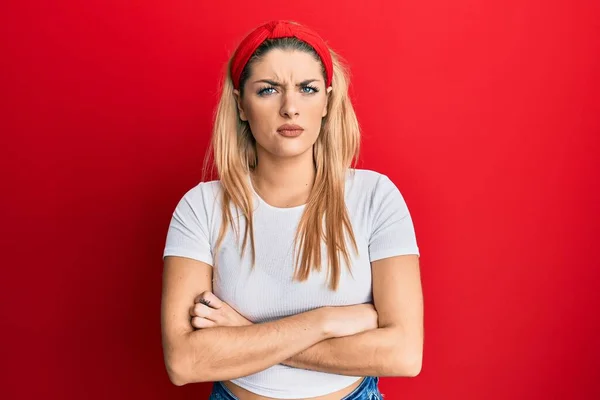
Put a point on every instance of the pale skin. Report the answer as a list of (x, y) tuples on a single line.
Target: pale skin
[(213, 342)]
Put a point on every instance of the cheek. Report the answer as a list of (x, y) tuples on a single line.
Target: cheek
[(315, 113), (319, 110), (259, 115)]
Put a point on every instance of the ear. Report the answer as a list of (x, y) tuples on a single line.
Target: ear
[(329, 89), (238, 101)]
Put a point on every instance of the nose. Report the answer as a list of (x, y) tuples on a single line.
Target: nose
[(289, 106)]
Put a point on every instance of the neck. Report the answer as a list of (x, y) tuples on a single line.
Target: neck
[(284, 182)]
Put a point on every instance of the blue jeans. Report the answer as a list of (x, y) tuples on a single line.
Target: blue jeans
[(367, 390)]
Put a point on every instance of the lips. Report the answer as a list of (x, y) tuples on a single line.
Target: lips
[(290, 130)]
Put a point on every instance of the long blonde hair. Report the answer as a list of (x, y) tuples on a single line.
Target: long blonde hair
[(233, 150)]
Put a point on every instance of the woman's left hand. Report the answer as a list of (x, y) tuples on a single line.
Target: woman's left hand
[(209, 311)]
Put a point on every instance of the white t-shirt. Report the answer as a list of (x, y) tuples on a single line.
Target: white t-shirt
[(382, 228)]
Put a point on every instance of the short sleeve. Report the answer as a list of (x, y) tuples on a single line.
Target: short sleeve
[(188, 233), (392, 232)]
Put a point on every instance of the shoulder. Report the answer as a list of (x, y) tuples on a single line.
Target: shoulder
[(204, 191), (368, 181), (204, 195), (374, 192)]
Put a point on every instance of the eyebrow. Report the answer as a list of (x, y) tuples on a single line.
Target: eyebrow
[(275, 83)]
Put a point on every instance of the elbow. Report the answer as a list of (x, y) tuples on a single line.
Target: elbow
[(176, 371), (177, 380), (407, 357), (412, 368), (405, 365), (181, 370), (173, 357), (177, 364), (184, 365)]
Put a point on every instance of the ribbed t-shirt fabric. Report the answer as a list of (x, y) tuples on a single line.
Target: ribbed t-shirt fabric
[(382, 227)]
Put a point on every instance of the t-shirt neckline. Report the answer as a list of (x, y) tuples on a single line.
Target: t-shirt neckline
[(262, 201)]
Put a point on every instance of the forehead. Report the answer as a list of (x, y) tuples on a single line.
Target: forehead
[(287, 64)]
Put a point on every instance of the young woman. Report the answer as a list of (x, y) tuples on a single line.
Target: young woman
[(293, 276)]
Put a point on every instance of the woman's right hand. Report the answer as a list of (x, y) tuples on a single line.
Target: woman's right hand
[(349, 320)]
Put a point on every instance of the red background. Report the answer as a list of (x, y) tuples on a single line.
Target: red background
[(485, 115)]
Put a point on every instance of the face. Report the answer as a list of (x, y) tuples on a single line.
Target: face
[(284, 88)]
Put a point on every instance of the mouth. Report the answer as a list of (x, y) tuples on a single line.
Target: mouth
[(290, 130)]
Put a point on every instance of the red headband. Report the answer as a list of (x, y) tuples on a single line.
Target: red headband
[(274, 30)]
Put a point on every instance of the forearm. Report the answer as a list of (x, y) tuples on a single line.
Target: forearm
[(224, 353), (377, 352)]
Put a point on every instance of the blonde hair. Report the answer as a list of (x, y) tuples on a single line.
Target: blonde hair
[(233, 150)]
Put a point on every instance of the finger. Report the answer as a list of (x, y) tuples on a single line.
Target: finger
[(202, 323), (209, 299), (201, 310)]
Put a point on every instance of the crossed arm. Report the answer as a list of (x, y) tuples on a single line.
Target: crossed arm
[(305, 340), (393, 349)]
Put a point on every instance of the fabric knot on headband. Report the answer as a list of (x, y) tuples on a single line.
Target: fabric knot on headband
[(275, 30)]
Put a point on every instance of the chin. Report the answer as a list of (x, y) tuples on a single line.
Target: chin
[(289, 147), (289, 153)]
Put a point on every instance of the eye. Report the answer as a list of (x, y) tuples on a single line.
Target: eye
[(309, 89), (266, 91)]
